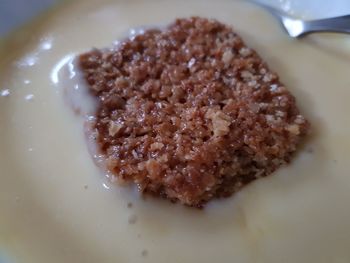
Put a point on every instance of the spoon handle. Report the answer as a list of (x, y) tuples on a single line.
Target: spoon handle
[(335, 24)]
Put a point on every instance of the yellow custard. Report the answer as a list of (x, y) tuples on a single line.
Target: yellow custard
[(56, 206)]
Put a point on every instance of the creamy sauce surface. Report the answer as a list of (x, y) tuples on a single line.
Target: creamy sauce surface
[(56, 206)]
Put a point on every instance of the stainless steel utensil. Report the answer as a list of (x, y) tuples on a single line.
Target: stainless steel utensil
[(297, 27)]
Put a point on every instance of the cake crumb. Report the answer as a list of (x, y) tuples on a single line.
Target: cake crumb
[(132, 219), (227, 57), (144, 253), (114, 128), (310, 150), (293, 128)]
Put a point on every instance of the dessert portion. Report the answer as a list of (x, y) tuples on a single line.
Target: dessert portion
[(190, 112)]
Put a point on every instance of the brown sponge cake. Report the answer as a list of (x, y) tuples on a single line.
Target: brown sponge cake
[(190, 112)]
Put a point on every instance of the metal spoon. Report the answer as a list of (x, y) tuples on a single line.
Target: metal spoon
[(297, 27)]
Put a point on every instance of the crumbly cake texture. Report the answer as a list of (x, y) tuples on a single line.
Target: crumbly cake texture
[(190, 112)]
